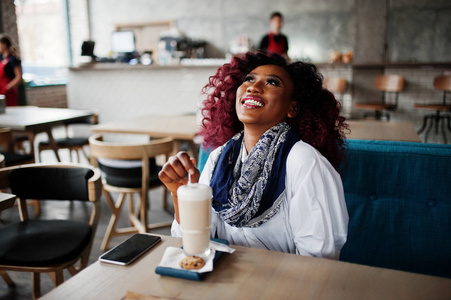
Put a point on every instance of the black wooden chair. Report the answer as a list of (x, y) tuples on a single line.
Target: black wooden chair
[(50, 245)]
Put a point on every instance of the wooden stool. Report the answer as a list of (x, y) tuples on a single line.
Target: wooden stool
[(441, 83), (388, 85)]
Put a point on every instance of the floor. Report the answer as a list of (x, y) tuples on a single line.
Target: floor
[(23, 289)]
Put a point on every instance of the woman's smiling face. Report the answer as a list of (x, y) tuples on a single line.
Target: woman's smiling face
[(265, 97)]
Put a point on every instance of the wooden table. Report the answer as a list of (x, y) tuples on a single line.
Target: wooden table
[(252, 274), (6, 201), (378, 130), (33, 120), (185, 127), (182, 128)]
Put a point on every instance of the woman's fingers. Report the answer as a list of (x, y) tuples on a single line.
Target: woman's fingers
[(185, 159), (176, 169)]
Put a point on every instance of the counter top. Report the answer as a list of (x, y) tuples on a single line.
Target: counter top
[(216, 63), (195, 63)]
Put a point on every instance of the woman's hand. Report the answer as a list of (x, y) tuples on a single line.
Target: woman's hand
[(175, 174), (175, 171)]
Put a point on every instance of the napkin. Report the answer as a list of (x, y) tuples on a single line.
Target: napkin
[(220, 246), (186, 274), (172, 257)]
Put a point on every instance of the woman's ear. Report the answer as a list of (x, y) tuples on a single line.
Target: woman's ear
[(293, 111)]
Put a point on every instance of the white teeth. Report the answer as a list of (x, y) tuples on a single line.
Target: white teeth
[(253, 102)]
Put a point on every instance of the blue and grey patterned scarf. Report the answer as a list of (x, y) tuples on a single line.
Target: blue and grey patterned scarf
[(249, 194)]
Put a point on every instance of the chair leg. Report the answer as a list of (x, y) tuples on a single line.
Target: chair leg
[(436, 122), (131, 208), (143, 211), (35, 276), (429, 129), (115, 213), (7, 279), (378, 115), (442, 121), (39, 154), (37, 206), (57, 277), (78, 155), (164, 199), (423, 127), (84, 153)]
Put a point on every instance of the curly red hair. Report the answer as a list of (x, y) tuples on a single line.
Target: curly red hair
[(318, 121)]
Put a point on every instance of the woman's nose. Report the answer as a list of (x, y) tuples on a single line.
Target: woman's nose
[(254, 87)]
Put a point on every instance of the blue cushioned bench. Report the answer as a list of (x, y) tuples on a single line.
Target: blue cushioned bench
[(398, 196)]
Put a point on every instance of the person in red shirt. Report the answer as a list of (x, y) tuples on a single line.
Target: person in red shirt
[(275, 41), (10, 71)]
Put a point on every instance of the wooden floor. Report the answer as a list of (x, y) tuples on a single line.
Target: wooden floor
[(23, 289)]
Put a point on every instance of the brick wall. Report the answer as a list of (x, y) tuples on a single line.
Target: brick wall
[(47, 96)]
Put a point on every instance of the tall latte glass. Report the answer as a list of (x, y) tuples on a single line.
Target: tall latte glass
[(194, 201)]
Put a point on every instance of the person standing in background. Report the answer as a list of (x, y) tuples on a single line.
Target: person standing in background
[(275, 41), (10, 71)]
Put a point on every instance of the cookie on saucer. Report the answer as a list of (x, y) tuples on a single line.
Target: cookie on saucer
[(192, 263)]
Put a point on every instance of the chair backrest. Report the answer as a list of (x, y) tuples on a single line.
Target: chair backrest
[(53, 182), (121, 151), (129, 151), (389, 83), (443, 83), (335, 84)]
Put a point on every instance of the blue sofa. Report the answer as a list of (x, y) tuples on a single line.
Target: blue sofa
[(398, 196)]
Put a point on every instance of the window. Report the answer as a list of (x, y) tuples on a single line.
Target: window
[(43, 35)]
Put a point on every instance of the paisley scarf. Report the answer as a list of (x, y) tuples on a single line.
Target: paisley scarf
[(249, 193)]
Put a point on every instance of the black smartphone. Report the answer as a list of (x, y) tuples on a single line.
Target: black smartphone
[(130, 249)]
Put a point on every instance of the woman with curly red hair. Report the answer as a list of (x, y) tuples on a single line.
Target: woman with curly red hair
[(278, 139)]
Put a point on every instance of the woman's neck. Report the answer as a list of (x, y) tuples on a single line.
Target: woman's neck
[(251, 138)]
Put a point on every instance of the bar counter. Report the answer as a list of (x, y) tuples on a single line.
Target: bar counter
[(119, 91)]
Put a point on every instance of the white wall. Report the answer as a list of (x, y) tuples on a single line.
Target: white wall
[(126, 92)]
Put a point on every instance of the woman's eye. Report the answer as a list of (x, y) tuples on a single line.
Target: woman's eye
[(248, 78), (273, 82)]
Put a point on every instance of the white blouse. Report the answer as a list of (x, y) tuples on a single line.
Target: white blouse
[(313, 219)]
